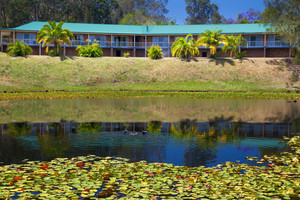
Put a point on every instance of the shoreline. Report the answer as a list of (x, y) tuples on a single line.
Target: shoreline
[(140, 93)]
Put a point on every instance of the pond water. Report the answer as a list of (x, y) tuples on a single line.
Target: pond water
[(182, 131)]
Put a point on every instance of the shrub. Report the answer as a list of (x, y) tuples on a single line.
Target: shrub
[(126, 55), (53, 53), (19, 49), (155, 52), (93, 50), (240, 55)]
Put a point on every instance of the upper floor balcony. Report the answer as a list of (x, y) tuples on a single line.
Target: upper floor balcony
[(142, 45)]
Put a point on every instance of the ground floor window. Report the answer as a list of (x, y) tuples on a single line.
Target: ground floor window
[(28, 38)]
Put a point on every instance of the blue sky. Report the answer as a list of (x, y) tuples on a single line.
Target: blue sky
[(227, 8)]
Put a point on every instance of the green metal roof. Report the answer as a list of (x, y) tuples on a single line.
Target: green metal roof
[(150, 29)]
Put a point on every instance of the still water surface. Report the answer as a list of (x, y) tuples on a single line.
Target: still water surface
[(182, 131)]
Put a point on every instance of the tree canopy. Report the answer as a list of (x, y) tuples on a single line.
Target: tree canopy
[(284, 17), (17, 12), (202, 12)]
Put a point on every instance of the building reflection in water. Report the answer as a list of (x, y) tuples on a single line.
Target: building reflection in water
[(44, 141), (248, 129)]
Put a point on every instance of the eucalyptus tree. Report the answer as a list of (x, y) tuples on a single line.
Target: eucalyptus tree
[(284, 19), (202, 12)]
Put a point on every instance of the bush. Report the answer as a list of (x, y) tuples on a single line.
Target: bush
[(126, 55), (240, 55), (155, 52), (19, 49), (93, 50), (53, 53)]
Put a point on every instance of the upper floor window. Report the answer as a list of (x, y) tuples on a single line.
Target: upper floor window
[(161, 41), (120, 41), (98, 39), (28, 38), (275, 40), (254, 41), (78, 40)]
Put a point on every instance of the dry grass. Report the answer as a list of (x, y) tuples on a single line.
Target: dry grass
[(43, 72)]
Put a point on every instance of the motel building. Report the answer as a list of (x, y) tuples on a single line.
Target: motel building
[(136, 39)]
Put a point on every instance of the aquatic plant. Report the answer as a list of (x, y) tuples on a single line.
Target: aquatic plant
[(125, 94), (93, 177)]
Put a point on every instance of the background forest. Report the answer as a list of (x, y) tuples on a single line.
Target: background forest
[(136, 12)]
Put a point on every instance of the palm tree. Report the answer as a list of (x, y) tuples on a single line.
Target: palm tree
[(53, 33), (234, 42), (211, 39), (19, 48), (185, 47)]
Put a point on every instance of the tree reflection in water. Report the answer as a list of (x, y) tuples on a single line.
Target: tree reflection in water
[(189, 142), (19, 129), (154, 127), (92, 127), (54, 142)]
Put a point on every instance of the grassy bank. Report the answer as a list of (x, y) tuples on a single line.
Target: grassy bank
[(39, 73)]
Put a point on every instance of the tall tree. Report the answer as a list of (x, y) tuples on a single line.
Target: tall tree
[(17, 12), (284, 18), (202, 12)]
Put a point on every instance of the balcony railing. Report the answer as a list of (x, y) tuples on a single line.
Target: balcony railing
[(7, 40), (277, 44), (164, 45), (254, 44)]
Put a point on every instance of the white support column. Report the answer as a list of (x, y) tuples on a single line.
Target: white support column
[(88, 40), (111, 46), (290, 52), (265, 46), (134, 49), (145, 45), (14, 36), (169, 46), (111, 40)]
